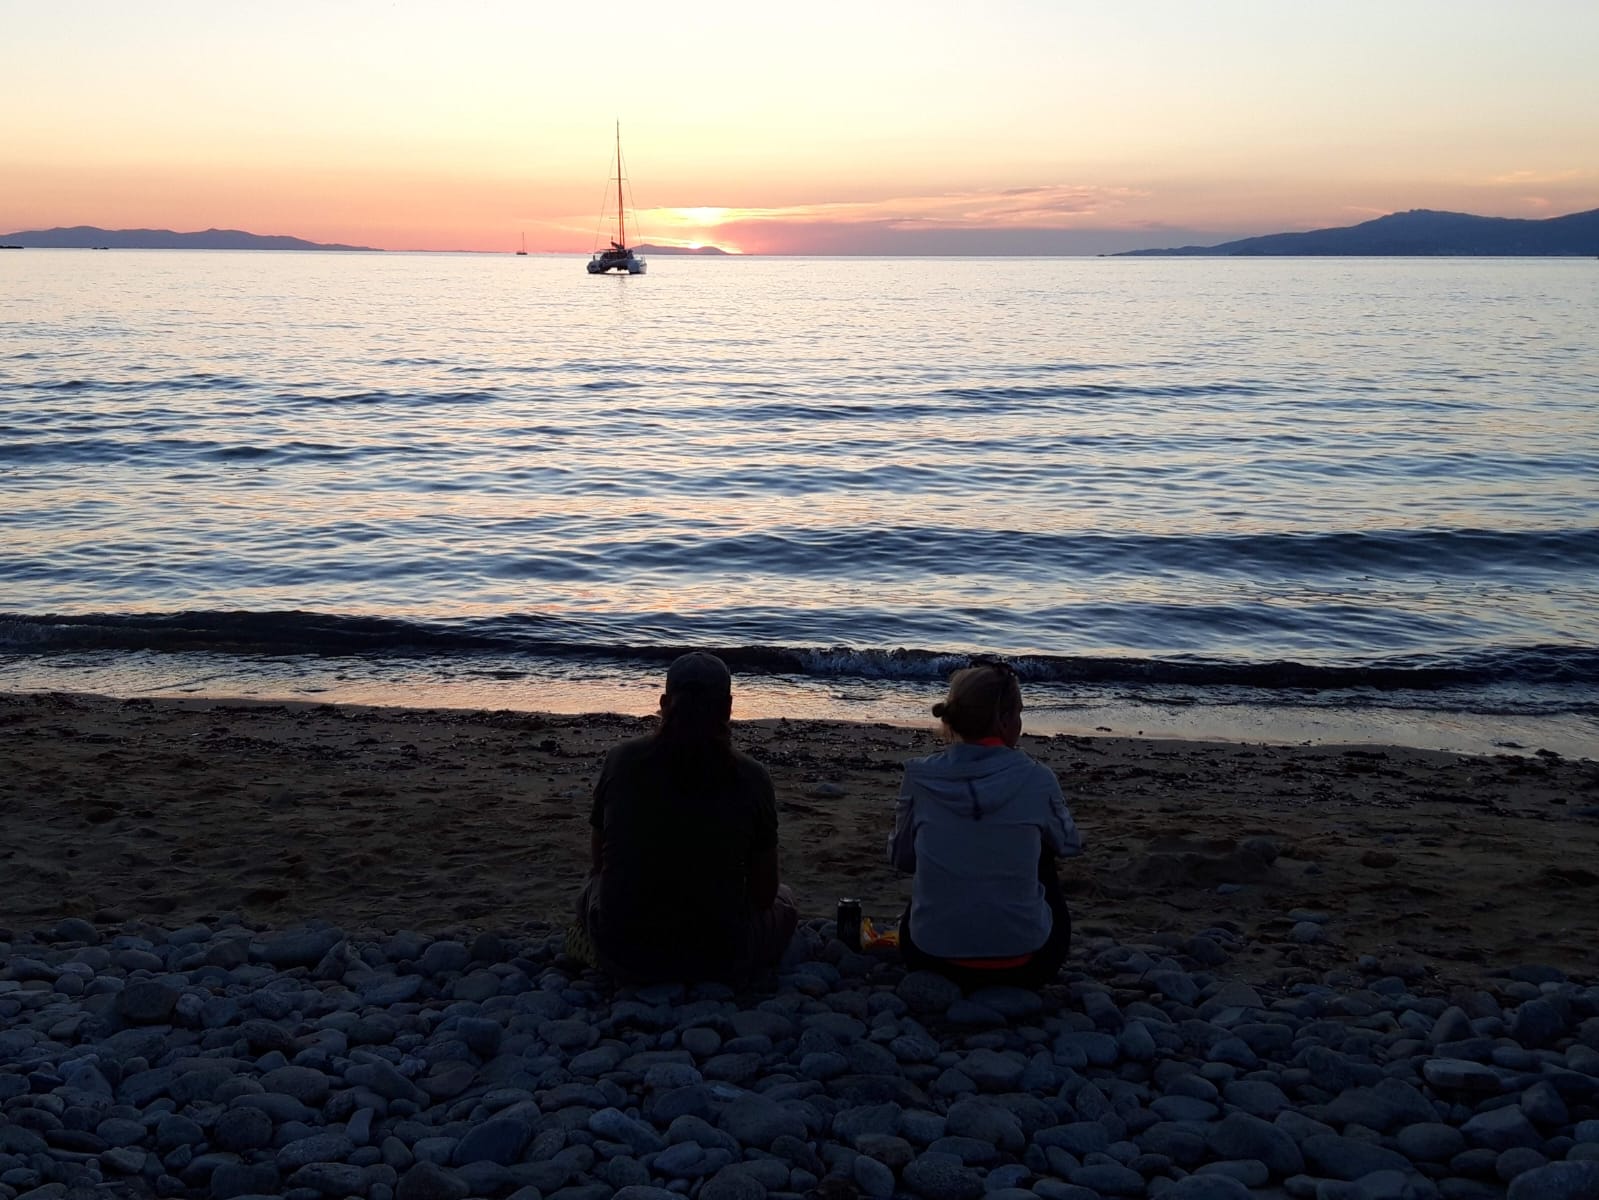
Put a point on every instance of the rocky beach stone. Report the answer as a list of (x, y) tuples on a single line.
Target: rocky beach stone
[(218, 1061)]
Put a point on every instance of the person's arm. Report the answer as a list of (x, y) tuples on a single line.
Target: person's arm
[(597, 818), (1060, 831), (761, 875), (763, 878), (902, 841)]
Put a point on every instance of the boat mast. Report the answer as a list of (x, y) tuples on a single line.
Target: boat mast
[(621, 229)]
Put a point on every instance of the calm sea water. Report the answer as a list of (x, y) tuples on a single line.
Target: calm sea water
[(1358, 485)]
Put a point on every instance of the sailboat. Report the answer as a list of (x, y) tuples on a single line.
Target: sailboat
[(618, 257), (522, 253)]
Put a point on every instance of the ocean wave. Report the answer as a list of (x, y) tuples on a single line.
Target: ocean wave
[(289, 633)]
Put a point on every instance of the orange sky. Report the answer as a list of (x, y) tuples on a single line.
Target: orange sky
[(935, 127)]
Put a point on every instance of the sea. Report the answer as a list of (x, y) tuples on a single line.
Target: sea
[(1261, 499)]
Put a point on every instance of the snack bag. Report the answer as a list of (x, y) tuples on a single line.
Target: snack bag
[(871, 938)]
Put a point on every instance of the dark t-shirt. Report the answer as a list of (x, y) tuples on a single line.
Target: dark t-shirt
[(678, 839)]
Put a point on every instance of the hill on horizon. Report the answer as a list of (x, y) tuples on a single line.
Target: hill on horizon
[(1421, 232), (87, 236), (647, 248)]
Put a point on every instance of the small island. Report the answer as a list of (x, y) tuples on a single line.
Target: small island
[(711, 250), (90, 237), (1418, 233)]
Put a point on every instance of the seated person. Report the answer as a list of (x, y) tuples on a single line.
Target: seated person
[(683, 882), (981, 824)]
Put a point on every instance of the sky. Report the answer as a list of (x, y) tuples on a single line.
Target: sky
[(875, 126)]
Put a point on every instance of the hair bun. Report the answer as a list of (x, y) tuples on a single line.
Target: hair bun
[(940, 709)]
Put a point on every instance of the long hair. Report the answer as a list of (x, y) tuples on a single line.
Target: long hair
[(695, 736)]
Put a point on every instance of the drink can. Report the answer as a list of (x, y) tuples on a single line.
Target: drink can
[(849, 923)]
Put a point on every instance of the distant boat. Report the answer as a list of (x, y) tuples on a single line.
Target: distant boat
[(10, 247), (99, 247), (618, 257), (523, 251)]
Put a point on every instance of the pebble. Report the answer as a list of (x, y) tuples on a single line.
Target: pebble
[(219, 1061)]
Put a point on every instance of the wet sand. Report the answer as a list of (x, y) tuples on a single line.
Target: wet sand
[(383, 819)]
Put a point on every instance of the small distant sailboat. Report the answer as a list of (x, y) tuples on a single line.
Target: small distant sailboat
[(522, 253), (618, 257)]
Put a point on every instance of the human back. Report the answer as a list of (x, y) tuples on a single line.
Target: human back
[(683, 877), (680, 832), (980, 825)]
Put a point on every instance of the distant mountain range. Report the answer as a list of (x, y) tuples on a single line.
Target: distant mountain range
[(1421, 231), (83, 236)]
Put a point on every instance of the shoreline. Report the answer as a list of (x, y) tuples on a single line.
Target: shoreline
[(186, 810), (1187, 714)]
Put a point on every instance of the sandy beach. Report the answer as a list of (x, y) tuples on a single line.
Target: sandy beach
[(436, 820)]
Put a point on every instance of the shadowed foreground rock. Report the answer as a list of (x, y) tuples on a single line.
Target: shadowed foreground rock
[(219, 1061)]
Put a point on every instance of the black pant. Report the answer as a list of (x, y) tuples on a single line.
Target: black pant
[(1040, 969)]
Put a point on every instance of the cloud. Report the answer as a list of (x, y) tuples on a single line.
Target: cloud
[(980, 220), (1526, 178)]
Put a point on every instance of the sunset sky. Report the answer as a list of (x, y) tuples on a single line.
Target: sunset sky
[(939, 126)]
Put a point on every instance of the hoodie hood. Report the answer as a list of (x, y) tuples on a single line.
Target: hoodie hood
[(975, 781)]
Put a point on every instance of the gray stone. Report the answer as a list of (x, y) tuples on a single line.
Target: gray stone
[(927, 992), (1206, 1186), (1543, 1105), (429, 1181), (989, 1122), (1077, 1137), (319, 1147), (331, 1179), (1537, 1023), (942, 1177), (1501, 1128), (1518, 1160), (241, 1129), (644, 1192), (124, 1160), (1239, 1135), (1109, 1179), (757, 1121), (1430, 1141), (1136, 1042), (1461, 1075), (684, 1160), (305, 1084), (1557, 1181), (1339, 1157), (1011, 1002), (444, 957), (1250, 1172), (500, 1139), (302, 948), (146, 1002), (1256, 1097), (481, 1035), (569, 1034), (733, 1183), (994, 1071), (232, 1179), (1391, 1103)]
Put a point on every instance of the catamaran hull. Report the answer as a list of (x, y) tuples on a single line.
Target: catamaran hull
[(631, 266)]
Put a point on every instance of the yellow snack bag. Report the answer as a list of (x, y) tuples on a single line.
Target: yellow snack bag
[(871, 937)]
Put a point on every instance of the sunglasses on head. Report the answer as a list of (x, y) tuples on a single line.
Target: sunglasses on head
[(996, 663)]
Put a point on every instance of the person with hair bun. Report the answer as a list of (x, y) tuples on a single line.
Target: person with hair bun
[(980, 824)]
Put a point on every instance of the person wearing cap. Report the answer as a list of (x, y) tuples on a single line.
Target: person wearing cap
[(684, 878), (980, 825)]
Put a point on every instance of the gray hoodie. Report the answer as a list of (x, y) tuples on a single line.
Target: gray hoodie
[(971, 823)]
